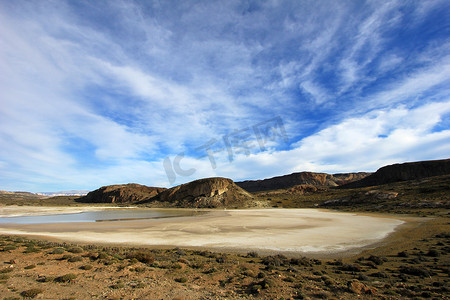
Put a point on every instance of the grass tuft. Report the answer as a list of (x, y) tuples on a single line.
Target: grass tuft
[(75, 259), (66, 278), (86, 267), (30, 267), (76, 250), (181, 280), (31, 293), (141, 256), (58, 251)]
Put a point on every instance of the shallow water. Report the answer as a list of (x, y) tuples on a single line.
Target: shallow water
[(100, 216)]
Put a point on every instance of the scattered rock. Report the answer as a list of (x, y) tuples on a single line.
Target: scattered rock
[(360, 288), (382, 195)]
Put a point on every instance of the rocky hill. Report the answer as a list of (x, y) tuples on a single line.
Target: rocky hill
[(301, 178), (123, 193), (20, 197), (206, 193), (403, 172)]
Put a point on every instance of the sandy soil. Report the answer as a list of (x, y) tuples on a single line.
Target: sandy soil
[(290, 230)]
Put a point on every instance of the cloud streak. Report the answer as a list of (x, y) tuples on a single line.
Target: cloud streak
[(96, 93)]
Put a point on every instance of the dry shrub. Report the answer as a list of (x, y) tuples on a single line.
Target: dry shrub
[(76, 250), (30, 267), (66, 278), (58, 251), (86, 267), (141, 256), (75, 259), (31, 293)]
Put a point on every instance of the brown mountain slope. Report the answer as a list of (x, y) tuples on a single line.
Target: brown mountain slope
[(206, 193), (301, 178), (123, 193), (20, 195), (19, 198), (402, 172)]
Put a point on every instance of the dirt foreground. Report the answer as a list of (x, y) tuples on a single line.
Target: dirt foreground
[(413, 262)]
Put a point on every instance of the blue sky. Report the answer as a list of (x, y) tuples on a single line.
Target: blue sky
[(102, 92)]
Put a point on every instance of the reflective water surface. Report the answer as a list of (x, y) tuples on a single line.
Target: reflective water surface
[(101, 216)]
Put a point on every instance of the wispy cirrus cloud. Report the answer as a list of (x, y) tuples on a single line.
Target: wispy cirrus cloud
[(99, 92), (360, 143)]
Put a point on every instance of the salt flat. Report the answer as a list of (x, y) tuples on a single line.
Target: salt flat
[(22, 211), (281, 230)]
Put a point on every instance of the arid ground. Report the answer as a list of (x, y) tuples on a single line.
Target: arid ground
[(411, 262)]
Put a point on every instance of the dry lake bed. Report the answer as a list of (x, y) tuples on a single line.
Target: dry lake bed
[(281, 230)]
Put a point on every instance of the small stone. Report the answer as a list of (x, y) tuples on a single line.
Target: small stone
[(360, 288)]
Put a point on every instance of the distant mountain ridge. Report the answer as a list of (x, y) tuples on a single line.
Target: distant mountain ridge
[(301, 178), (402, 172), (20, 195), (65, 193), (223, 192)]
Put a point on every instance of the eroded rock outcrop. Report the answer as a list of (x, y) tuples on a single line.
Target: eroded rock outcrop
[(301, 178), (206, 193), (301, 189), (402, 172), (122, 193)]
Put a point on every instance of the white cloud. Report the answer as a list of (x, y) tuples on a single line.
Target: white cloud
[(390, 62), (363, 143), (318, 93), (366, 43), (166, 78), (414, 85)]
